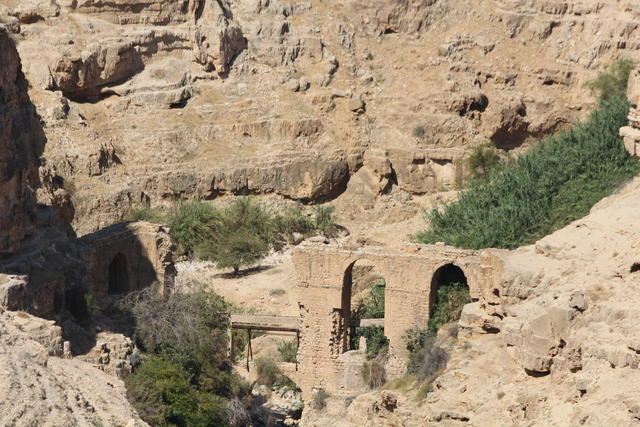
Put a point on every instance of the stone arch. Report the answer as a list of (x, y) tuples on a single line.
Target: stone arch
[(119, 274), (445, 275), (360, 278)]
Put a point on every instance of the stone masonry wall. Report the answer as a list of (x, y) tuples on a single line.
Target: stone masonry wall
[(408, 273), (146, 248)]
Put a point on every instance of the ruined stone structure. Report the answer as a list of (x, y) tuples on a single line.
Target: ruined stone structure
[(631, 134), (412, 276), (127, 257)]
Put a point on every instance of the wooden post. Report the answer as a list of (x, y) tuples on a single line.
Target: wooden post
[(297, 348), (231, 349), (249, 349)]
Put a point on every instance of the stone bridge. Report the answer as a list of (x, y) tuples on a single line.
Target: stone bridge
[(412, 275)]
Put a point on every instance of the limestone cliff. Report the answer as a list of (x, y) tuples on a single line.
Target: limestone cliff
[(21, 145), (145, 101)]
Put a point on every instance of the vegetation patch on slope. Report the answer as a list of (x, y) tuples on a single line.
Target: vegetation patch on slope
[(554, 183)]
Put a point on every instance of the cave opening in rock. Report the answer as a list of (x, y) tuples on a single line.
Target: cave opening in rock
[(118, 275), (449, 293)]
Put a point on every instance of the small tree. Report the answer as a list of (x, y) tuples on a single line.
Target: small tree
[(243, 237), (235, 249)]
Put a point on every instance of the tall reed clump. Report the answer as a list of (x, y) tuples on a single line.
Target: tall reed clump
[(554, 183)]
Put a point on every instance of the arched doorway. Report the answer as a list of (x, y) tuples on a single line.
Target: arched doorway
[(363, 300), (118, 275), (449, 293)]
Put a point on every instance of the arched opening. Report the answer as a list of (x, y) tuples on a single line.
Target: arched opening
[(118, 275), (363, 300), (449, 293)]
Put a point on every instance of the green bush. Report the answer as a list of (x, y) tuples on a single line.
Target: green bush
[(81, 304), (426, 358), (162, 393), (377, 342), (419, 131), (185, 377), (554, 183), (292, 220), (613, 82), (288, 351), (450, 298), (238, 236), (325, 222), (268, 371), (144, 213), (191, 224), (372, 305), (483, 160)]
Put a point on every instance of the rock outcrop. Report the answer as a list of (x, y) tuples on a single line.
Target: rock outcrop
[(21, 145), (223, 92)]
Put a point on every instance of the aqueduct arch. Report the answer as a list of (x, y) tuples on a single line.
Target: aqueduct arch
[(446, 274), (359, 280), (325, 272)]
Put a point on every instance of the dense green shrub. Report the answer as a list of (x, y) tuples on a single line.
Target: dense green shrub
[(238, 236), (291, 221), (426, 358), (325, 222), (450, 298), (191, 224), (554, 183), (185, 378), (483, 160), (372, 305), (163, 395), (377, 342), (613, 82), (270, 375), (288, 351)]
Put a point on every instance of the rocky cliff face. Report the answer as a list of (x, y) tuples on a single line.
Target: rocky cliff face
[(21, 145), (149, 100)]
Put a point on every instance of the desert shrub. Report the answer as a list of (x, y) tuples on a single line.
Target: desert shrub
[(377, 342), (373, 373), (419, 131), (554, 183), (426, 357), (372, 305), (267, 370), (185, 377), (285, 382), (277, 292), (324, 220), (163, 395), (483, 160), (144, 213), (288, 351), (612, 83), (320, 399), (291, 221), (191, 224), (450, 298)]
